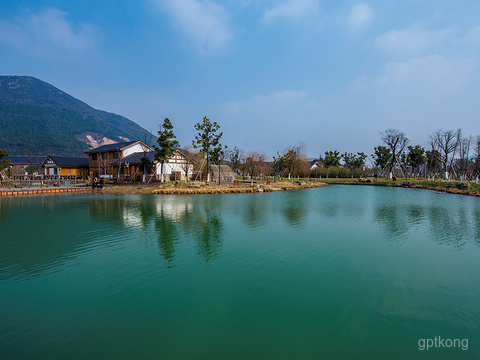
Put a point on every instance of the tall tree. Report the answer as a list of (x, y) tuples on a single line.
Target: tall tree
[(4, 163), (446, 143), (235, 158), (332, 158), (254, 164), (166, 144), (146, 166), (433, 164), (477, 157), (208, 141), (381, 156), (416, 157), (464, 144), (354, 161), (295, 161), (396, 142)]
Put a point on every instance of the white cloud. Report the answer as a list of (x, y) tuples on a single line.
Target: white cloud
[(48, 32), (473, 37), (204, 23), (272, 121), (411, 42), (360, 17), (290, 10)]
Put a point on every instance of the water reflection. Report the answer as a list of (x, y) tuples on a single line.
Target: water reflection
[(210, 236), (167, 236), (393, 220), (449, 226), (5, 206), (448, 221), (168, 219), (62, 229), (255, 210), (295, 207)]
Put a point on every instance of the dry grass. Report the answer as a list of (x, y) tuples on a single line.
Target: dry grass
[(202, 188), (439, 185)]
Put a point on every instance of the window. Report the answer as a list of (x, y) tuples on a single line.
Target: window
[(116, 155), (104, 155), (94, 156)]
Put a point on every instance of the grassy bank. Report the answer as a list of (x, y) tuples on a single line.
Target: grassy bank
[(454, 187), (202, 188)]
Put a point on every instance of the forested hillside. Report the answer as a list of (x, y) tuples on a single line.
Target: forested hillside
[(37, 118)]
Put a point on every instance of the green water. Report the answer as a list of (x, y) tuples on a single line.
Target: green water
[(342, 272)]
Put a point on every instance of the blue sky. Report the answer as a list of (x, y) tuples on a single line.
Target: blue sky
[(329, 74)]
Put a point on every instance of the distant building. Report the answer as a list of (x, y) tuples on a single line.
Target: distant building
[(66, 166), (315, 164), (109, 160)]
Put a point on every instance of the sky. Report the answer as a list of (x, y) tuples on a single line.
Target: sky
[(330, 75)]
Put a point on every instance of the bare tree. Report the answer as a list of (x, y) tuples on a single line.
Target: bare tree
[(446, 143), (295, 161), (255, 164), (396, 142), (477, 158), (464, 144)]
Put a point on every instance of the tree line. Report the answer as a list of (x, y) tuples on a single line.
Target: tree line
[(449, 154)]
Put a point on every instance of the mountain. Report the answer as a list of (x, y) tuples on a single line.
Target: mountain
[(37, 118)]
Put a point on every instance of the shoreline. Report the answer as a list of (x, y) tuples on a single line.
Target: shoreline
[(200, 189), (451, 187)]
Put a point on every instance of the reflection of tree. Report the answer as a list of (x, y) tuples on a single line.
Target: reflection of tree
[(393, 221), (5, 206), (167, 236), (295, 208), (449, 226), (106, 209), (476, 231), (255, 210), (209, 236)]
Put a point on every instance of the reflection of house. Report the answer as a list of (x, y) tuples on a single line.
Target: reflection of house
[(21, 162), (174, 169), (106, 159), (66, 166)]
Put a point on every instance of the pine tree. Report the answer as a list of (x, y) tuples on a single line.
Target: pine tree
[(166, 144), (208, 141)]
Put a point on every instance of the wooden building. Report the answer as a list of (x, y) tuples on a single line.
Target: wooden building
[(176, 168), (20, 163), (108, 160), (66, 166)]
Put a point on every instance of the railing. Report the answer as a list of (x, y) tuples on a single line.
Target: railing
[(30, 183)]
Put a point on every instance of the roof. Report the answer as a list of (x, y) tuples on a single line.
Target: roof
[(116, 146), (24, 159), (135, 158), (223, 168), (69, 161)]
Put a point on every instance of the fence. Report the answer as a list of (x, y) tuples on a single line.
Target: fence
[(39, 184)]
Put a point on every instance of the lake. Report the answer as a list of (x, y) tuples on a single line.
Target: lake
[(341, 272)]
